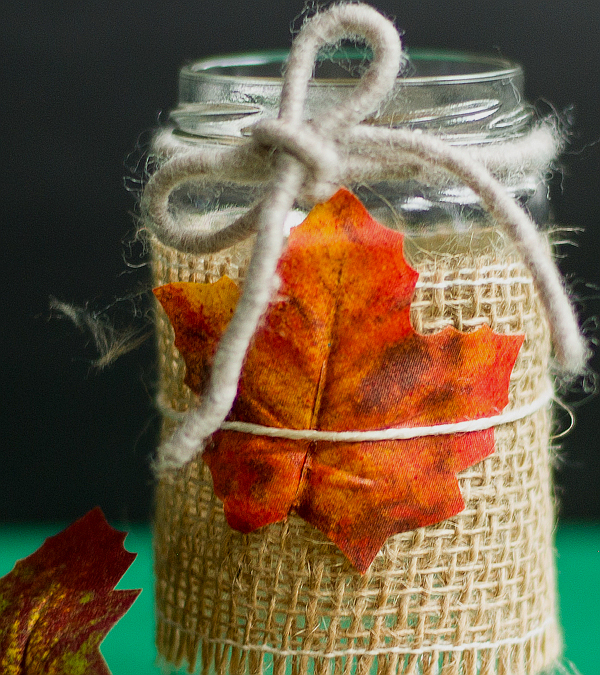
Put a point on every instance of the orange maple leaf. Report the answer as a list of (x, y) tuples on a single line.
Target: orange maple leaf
[(57, 605), (336, 351)]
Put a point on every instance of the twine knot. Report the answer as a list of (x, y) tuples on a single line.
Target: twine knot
[(311, 160), (313, 144), (315, 152)]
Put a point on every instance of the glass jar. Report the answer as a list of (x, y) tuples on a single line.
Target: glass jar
[(474, 594)]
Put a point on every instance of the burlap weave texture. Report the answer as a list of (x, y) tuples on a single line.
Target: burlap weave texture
[(474, 595)]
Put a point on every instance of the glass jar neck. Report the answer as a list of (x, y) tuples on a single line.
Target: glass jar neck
[(464, 98)]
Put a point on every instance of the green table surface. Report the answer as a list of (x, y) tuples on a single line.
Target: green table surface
[(129, 647)]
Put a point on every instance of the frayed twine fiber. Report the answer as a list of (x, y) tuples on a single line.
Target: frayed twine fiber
[(311, 160), (474, 595), (109, 342)]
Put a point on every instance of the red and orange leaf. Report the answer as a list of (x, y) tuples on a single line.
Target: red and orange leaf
[(199, 314), (58, 604), (335, 352)]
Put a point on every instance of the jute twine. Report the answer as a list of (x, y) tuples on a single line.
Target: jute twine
[(311, 160), (473, 595)]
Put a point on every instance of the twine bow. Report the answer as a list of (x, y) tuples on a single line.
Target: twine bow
[(308, 161)]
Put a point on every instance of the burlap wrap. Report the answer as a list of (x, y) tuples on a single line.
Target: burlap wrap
[(474, 595)]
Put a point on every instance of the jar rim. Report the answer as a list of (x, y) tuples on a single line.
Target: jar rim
[(468, 67)]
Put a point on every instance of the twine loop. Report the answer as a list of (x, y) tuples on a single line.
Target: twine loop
[(308, 161)]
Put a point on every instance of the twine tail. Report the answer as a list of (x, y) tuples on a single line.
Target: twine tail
[(221, 391), (339, 22)]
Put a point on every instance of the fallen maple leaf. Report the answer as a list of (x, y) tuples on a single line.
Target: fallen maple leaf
[(58, 604), (336, 351)]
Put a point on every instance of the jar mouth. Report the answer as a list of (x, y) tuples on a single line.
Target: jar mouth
[(345, 66), (463, 98)]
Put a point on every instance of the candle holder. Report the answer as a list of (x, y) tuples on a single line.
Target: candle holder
[(474, 594)]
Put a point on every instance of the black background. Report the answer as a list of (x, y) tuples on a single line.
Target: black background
[(83, 83)]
